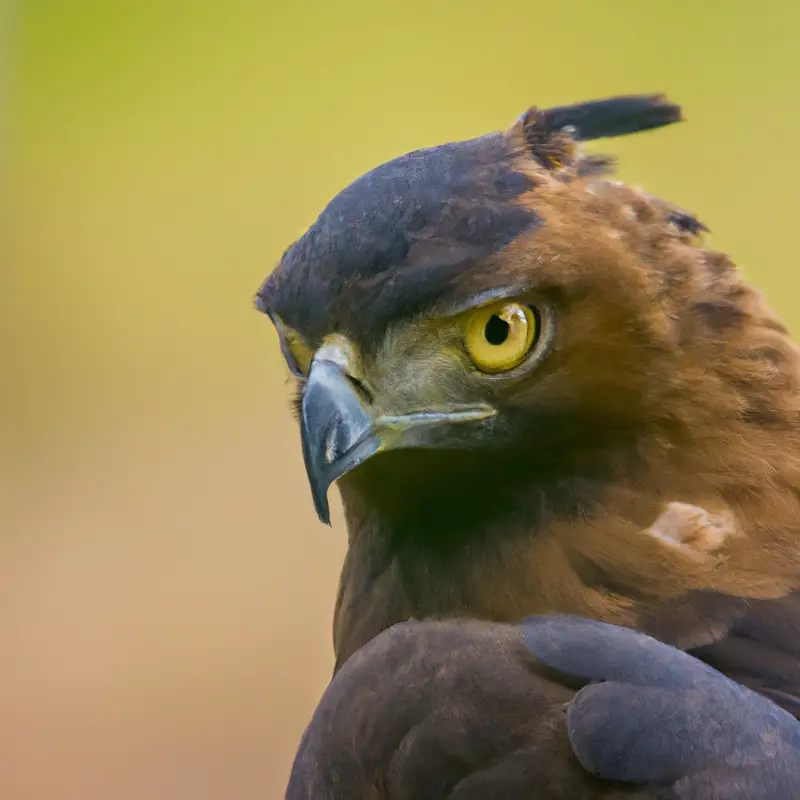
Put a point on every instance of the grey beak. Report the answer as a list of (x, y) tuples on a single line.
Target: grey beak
[(337, 430)]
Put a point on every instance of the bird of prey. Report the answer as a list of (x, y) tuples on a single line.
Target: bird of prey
[(538, 392)]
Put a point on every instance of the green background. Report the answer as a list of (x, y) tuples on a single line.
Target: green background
[(165, 589)]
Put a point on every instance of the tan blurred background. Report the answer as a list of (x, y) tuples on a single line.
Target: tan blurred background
[(165, 589)]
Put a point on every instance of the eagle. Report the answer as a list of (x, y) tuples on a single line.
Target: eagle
[(551, 413)]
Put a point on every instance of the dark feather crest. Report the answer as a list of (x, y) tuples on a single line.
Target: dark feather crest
[(551, 133), (616, 116)]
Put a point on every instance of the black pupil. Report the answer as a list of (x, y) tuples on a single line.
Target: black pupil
[(497, 330)]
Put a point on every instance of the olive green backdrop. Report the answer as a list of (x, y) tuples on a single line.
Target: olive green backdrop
[(165, 589)]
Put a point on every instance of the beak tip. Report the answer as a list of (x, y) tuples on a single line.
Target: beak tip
[(333, 421), (322, 508)]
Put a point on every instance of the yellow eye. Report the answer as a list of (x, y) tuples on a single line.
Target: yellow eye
[(298, 353), (499, 337)]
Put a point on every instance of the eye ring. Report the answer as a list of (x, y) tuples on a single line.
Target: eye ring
[(501, 336)]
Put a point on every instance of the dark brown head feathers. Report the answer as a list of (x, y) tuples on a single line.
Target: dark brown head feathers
[(400, 236)]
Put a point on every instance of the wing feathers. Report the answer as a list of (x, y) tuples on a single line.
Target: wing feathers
[(466, 710)]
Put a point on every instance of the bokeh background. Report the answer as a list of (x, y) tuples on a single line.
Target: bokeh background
[(165, 589)]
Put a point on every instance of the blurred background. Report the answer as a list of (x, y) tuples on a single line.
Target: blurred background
[(165, 589)]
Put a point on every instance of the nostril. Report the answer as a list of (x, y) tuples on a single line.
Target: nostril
[(363, 390)]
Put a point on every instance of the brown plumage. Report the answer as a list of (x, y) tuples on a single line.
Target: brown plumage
[(640, 467), (557, 708)]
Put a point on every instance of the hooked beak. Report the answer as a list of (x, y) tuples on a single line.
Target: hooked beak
[(340, 430)]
